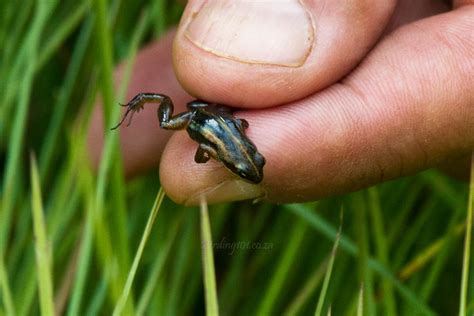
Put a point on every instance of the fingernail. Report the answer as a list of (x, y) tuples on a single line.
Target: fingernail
[(232, 190), (262, 32)]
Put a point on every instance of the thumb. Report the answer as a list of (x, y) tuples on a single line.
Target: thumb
[(262, 53)]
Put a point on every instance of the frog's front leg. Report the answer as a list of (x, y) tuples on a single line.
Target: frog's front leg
[(204, 153)]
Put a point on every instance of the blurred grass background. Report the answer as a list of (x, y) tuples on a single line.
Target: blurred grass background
[(68, 237)]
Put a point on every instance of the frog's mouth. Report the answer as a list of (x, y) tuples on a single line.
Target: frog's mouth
[(253, 176)]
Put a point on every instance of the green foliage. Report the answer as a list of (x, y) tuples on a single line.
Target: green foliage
[(68, 235), (42, 246), (209, 270)]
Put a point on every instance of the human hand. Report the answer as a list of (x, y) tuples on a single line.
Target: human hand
[(337, 103)]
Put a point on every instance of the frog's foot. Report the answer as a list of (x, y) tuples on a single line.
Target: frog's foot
[(139, 101), (132, 107), (204, 153)]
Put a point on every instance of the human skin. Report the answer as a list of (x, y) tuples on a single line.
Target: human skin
[(370, 92)]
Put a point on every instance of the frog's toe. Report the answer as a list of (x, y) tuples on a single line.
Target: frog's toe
[(243, 123), (201, 156)]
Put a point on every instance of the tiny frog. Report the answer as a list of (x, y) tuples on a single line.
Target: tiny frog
[(219, 135)]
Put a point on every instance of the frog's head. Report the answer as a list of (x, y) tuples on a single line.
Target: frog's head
[(248, 169)]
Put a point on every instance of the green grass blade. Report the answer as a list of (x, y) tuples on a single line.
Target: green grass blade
[(360, 302), (448, 193), (14, 152), (16, 141), (156, 271), (177, 281), (443, 253), (12, 56), (54, 129), (399, 222), (310, 286), (109, 160), (131, 275), (212, 307), (412, 233), (86, 186), (11, 43), (327, 277), (94, 198), (431, 251), (98, 298), (83, 267), (467, 246), (68, 25), (159, 19), (43, 247), (282, 269), (321, 225), (104, 42), (365, 273), (117, 179), (6, 291), (382, 249)]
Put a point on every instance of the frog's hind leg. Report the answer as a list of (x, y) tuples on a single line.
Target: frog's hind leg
[(177, 122), (139, 101), (204, 153)]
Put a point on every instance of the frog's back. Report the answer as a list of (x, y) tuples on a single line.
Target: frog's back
[(208, 128), (226, 136), (221, 132)]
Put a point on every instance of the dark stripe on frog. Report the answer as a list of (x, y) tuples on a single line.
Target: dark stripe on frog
[(210, 134)]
